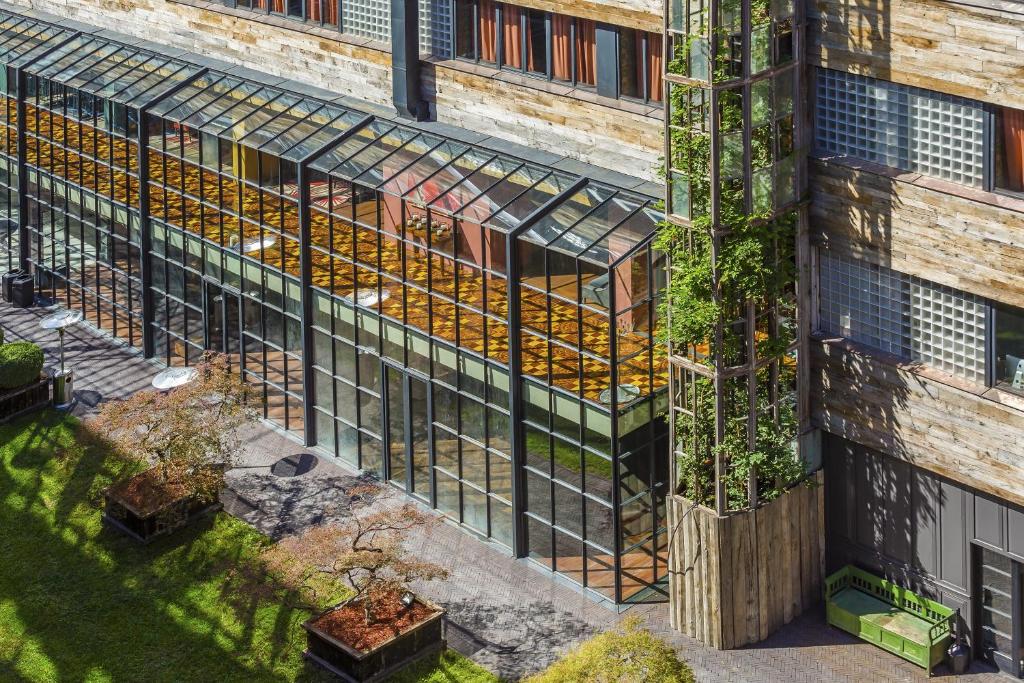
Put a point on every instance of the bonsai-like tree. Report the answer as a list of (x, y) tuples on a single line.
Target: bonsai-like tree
[(188, 434), (365, 553)]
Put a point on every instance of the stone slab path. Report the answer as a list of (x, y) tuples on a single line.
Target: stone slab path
[(505, 614)]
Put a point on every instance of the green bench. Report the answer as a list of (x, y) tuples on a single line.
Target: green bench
[(891, 617)]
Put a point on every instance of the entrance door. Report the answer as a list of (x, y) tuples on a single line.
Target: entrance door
[(223, 331), (408, 437), (1000, 602)]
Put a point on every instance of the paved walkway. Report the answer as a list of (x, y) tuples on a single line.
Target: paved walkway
[(506, 615)]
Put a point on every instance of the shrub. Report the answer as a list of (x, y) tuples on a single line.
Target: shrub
[(629, 654), (20, 363)]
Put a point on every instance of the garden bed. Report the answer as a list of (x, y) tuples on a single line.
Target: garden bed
[(145, 508), (32, 396), (340, 641)]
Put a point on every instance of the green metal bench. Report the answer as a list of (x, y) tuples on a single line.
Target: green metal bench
[(891, 617)]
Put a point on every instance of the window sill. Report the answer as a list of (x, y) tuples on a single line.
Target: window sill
[(551, 87), (1008, 6), (290, 24), (993, 394), (994, 199)]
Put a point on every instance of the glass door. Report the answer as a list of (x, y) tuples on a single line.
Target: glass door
[(223, 332), (408, 437), (1000, 601)]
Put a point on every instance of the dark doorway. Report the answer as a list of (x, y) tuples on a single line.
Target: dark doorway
[(408, 437), (223, 332), (999, 602)]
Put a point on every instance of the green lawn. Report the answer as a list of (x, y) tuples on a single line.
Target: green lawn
[(80, 603)]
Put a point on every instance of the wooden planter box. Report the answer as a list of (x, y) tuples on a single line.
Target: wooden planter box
[(147, 527), (738, 578), (425, 638), (15, 402)]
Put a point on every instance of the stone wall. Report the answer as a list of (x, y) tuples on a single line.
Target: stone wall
[(961, 49), (966, 433), (918, 226), (623, 137)]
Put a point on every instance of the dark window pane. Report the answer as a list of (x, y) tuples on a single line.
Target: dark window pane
[(1010, 348), (536, 42), (1009, 139), (464, 29), (630, 61)]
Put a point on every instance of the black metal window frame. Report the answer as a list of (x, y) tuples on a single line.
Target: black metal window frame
[(300, 15)]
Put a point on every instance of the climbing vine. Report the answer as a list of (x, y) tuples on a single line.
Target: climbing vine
[(719, 269)]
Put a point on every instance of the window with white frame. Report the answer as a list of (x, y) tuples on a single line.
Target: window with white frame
[(913, 129), (903, 315)]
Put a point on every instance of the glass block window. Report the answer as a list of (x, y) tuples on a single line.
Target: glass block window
[(367, 19), (903, 315), (435, 28), (908, 128)]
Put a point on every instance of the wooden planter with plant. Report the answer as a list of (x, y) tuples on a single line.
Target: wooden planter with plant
[(736, 315), (381, 626), (23, 388), (179, 444)]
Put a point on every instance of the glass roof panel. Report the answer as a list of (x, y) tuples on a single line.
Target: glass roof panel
[(150, 85), (597, 223), (512, 214), (191, 97), (75, 78), (476, 183), (343, 120), (226, 120), (567, 214), (71, 59), (248, 128), (424, 172), (511, 187), (624, 237), (398, 160), (109, 82), (374, 152), (227, 94), (367, 134), (450, 175), (21, 39)]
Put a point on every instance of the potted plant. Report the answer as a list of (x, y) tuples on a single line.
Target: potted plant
[(382, 626), (23, 387), (184, 439)]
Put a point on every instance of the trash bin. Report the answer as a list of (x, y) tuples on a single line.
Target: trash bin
[(22, 291), (8, 279)]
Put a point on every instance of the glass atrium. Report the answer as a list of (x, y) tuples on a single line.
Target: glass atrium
[(473, 327)]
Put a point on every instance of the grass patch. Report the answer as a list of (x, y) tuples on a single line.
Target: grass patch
[(81, 603)]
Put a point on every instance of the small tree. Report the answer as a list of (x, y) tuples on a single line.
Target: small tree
[(188, 434), (365, 553), (629, 654)]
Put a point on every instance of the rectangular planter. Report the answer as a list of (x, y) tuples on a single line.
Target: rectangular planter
[(426, 638), (146, 528), (736, 579), (26, 399)]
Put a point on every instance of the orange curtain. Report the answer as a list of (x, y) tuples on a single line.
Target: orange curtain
[(488, 31), (1013, 136), (654, 66), (313, 10), (586, 51), (277, 6), (331, 12), (561, 47), (513, 36)]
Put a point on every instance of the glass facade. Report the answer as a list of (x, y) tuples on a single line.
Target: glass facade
[(472, 327)]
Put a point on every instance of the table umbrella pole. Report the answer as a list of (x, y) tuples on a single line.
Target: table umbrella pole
[(60, 334)]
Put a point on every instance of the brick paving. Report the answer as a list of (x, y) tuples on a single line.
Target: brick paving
[(506, 615)]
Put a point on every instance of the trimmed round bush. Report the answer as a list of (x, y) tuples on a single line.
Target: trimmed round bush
[(20, 363)]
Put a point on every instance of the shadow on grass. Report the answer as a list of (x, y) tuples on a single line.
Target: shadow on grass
[(78, 601)]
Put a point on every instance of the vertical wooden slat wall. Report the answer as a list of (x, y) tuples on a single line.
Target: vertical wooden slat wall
[(738, 578)]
